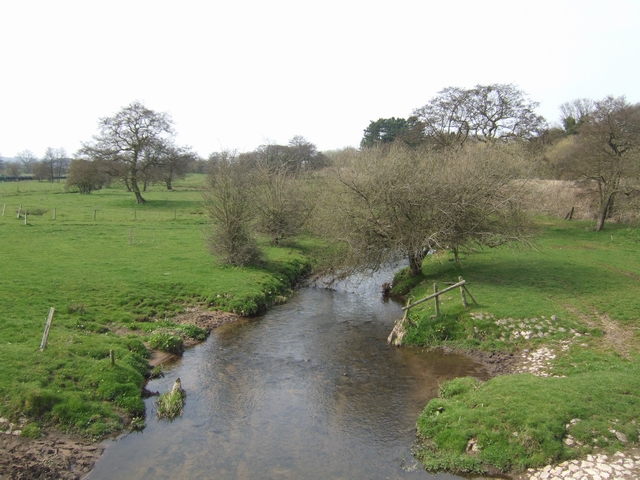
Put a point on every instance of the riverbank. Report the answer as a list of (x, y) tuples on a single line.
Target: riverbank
[(117, 274), (54, 456), (565, 318)]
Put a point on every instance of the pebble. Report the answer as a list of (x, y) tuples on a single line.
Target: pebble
[(618, 466)]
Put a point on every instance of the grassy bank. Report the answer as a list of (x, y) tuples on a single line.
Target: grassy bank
[(575, 294), (116, 273)]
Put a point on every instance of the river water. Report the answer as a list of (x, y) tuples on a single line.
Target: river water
[(309, 390)]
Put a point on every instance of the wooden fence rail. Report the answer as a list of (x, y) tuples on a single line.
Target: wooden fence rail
[(399, 329)]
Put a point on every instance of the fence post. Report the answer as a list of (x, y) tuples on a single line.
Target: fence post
[(435, 290), (464, 298), (45, 335), (112, 357), (3, 207)]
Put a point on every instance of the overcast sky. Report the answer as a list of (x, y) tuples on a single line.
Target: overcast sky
[(235, 74)]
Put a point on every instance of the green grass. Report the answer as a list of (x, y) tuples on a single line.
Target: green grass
[(170, 404), (520, 421), (131, 268)]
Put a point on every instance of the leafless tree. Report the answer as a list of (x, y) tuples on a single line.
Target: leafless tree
[(54, 162), (124, 138), (486, 113), (606, 153), (13, 169), (86, 175), (384, 203), (169, 162), (573, 114), (28, 159), (229, 202), (282, 202)]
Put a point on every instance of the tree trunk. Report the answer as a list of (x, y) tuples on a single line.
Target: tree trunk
[(415, 263), (136, 190), (167, 180), (604, 210)]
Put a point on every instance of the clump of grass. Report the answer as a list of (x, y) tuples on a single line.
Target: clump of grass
[(167, 342), (171, 404), (31, 430), (193, 331), (137, 424)]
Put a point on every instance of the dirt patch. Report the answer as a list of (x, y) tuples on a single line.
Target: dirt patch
[(497, 363), (616, 337), (55, 456), (205, 319)]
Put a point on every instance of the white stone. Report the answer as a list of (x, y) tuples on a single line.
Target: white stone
[(604, 467), (621, 436)]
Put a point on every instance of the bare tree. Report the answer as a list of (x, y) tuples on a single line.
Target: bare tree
[(486, 113), (86, 175), (13, 169), (389, 202), (606, 152), (229, 202), (173, 162), (54, 163), (124, 138), (28, 159), (573, 114), (281, 201)]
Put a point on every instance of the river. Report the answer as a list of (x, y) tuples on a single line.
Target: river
[(309, 390)]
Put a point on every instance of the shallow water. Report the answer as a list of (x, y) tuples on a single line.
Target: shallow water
[(309, 390)]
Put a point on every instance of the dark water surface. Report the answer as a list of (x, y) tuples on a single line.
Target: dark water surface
[(309, 390)]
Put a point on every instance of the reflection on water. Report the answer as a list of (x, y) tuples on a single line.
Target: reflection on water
[(310, 390)]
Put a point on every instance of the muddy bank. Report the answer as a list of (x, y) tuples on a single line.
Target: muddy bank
[(496, 363), (60, 456), (55, 456)]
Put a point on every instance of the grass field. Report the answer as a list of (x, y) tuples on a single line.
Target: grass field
[(107, 266), (576, 293)]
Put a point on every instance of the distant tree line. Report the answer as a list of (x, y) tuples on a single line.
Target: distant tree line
[(52, 166), (596, 145)]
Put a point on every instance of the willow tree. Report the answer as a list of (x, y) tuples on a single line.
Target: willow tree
[(392, 202)]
